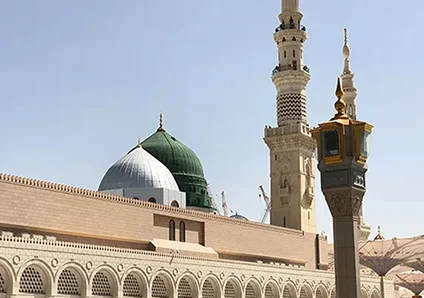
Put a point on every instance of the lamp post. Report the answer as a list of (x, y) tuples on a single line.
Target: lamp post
[(343, 149)]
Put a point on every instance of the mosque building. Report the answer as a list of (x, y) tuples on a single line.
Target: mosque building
[(160, 170), (152, 229)]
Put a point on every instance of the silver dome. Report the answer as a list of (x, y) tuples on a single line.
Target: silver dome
[(138, 169), (239, 216)]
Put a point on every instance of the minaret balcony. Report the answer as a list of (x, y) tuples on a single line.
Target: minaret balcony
[(289, 26), (288, 67)]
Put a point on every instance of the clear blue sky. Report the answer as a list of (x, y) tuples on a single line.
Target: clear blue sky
[(81, 80)]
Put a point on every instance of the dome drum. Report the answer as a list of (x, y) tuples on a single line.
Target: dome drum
[(161, 196)]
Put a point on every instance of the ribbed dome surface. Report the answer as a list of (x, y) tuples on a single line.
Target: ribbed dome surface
[(176, 156), (138, 169)]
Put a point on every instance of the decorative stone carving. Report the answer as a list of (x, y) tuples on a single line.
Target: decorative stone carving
[(16, 260), (89, 265), (55, 262), (285, 201), (307, 199), (345, 204)]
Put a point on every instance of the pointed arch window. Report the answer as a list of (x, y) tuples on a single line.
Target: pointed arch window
[(172, 230), (182, 231)]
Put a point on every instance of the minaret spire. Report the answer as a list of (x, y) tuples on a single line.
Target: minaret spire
[(349, 89), (346, 54), (290, 143), (349, 98)]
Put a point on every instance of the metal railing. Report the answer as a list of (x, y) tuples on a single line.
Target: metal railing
[(289, 26), (280, 68)]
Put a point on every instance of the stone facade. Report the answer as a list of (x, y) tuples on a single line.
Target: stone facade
[(61, 241), (33, 266)]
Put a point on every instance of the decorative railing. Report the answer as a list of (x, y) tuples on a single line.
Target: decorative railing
[(280, 68), (289, 26)]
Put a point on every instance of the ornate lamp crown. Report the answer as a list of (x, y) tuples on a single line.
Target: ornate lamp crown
[(340, 104)]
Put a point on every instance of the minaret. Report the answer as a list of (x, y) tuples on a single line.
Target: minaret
[(349, 89), (349, 97), (290, 143)]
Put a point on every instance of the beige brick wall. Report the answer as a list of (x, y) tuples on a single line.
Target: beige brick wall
[(62, 210), (194, 229)]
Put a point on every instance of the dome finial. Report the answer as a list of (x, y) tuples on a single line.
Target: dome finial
[(345, 35), (161, 122), (139, 142), (379, 235)]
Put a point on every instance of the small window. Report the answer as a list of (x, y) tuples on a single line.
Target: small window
[(284, 221), (172, 230), (309, 215), (294, 53), (285, 54), (136, 198), (276, 156), (331, 143), (152, 200), (182, 231), (175, 204)]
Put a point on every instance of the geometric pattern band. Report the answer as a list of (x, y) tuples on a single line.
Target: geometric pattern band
[(291, 106)]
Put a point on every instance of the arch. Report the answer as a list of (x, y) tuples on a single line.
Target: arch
[(321, 291), (252, 289), (289, 290), (364, 293), (175, 204), (305, 291), (211, 287), (333, 292), (162, 285), (271, 290), (71, 279), (182, 231), (6, 276), (35, 277), (187, 286), (375, 294), (232, 288), (104, 281), (172, 230), (134, 283), (152, 200)]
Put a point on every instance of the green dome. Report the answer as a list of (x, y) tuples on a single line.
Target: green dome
[(176, 156), (184, 165)]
